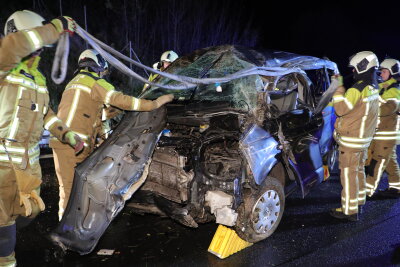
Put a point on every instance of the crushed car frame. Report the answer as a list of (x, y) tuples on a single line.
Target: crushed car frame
[(228, 152)]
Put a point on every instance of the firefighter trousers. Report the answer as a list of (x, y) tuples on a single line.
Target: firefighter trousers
[(352, 178), (383, 158), (65, 162), (10, 209)]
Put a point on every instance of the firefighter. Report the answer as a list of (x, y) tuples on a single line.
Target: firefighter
[(24, 112), (383, 147), (83, 100), (166, 59), (357, 111)]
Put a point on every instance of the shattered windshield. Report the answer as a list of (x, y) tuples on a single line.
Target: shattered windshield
[(220, 61)]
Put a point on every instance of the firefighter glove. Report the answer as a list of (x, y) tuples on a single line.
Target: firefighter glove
[(164, 99), (75, 141), (28, 196), (338, 78), (25, 200), (64, 24)]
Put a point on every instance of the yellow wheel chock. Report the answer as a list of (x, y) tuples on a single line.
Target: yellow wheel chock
[(226, 242)]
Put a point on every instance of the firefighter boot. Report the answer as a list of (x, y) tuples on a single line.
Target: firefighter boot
[(338, 213)]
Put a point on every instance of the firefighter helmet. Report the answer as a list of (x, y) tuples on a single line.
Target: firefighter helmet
[(363, 61), (169, 56), (392, 65), (22, 20), (92, 59)]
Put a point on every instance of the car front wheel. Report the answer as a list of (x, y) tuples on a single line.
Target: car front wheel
[(261, 211)]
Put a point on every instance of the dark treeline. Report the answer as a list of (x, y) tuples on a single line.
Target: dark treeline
[(150, 26), (153, 26)]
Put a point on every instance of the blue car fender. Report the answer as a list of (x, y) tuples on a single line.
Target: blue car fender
[(260, 149)]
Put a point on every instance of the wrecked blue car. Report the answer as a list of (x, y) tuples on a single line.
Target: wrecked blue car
[(228, 153)]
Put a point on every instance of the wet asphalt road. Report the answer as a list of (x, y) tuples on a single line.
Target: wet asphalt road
[(306, 236)]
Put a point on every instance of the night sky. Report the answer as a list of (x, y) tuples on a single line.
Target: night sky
[(329, 28)]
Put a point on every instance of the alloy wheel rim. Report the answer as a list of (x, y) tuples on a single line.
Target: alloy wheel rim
[(266, 211)]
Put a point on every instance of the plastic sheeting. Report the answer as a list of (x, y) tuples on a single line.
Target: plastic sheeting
[(223, 61)]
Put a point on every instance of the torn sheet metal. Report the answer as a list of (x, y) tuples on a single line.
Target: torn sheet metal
[(105, 180), (259, 148)]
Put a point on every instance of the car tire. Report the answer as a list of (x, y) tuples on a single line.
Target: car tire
[(266, 203)]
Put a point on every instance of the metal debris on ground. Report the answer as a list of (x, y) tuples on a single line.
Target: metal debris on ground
[(105, 252)]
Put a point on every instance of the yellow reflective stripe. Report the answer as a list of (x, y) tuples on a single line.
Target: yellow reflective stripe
[(371, 98), (386, 137), (369, 185), (74, 105), (355, 139), (27, 83), (83, 136), (42, 89), (34, 150), (362, 129), (353, 208), (347, 190), (35, 38), (50, 122), (19, 80), (20, 89), (135, 103), (378, 122), (15, 121), (80, 87), (387, 132), (34, 159), (18, 150), (393, 99), (108, 97), (379, 174), (14, 126), (352, 145), (351, 200), (14, 159), (348, 103), (398, 183), (337, 98)]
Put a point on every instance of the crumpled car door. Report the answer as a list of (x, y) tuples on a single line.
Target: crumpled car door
[(107, 178)]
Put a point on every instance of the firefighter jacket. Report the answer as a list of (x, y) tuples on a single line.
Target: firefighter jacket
[(82, 103), (357, 111), (152, 78), (389, 123), (24, 99)]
